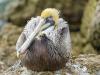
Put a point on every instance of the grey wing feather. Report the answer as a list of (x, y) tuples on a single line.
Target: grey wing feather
[(30, 26)]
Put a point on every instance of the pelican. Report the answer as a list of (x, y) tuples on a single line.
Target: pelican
[(45, 43)]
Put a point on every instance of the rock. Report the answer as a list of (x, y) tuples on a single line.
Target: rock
[(87, 17), (94, 30), (9, 32), (91, 61), (8, 37), (81, 45), (88, 38), (3, 66), (82, 65), (89, 49)]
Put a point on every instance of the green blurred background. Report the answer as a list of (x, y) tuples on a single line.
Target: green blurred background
[(82, 15)]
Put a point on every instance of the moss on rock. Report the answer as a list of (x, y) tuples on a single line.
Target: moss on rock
[(87, 17)]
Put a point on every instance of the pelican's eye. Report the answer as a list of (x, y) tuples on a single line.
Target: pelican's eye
[(50, 20)]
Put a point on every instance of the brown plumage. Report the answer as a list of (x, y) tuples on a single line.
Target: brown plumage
[(40, 58)]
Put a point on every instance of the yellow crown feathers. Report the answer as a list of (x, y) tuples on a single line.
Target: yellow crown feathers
[(51, 12)]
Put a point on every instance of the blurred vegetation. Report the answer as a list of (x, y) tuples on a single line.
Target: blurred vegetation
[(88, 17), (83, 17), (94, 30)]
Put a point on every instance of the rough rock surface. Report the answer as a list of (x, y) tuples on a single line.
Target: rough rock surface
[(82, 65), (8, 33), (81, 45), (87, 17), (95, 29)]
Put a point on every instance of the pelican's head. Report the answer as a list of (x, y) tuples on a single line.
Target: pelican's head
[(50, 13)]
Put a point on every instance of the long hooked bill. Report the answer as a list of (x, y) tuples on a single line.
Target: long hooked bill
[(30, 38)]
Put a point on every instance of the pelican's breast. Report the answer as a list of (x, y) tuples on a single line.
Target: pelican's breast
[(43, 56)]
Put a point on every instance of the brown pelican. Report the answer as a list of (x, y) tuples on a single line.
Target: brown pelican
[(45, 44)]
